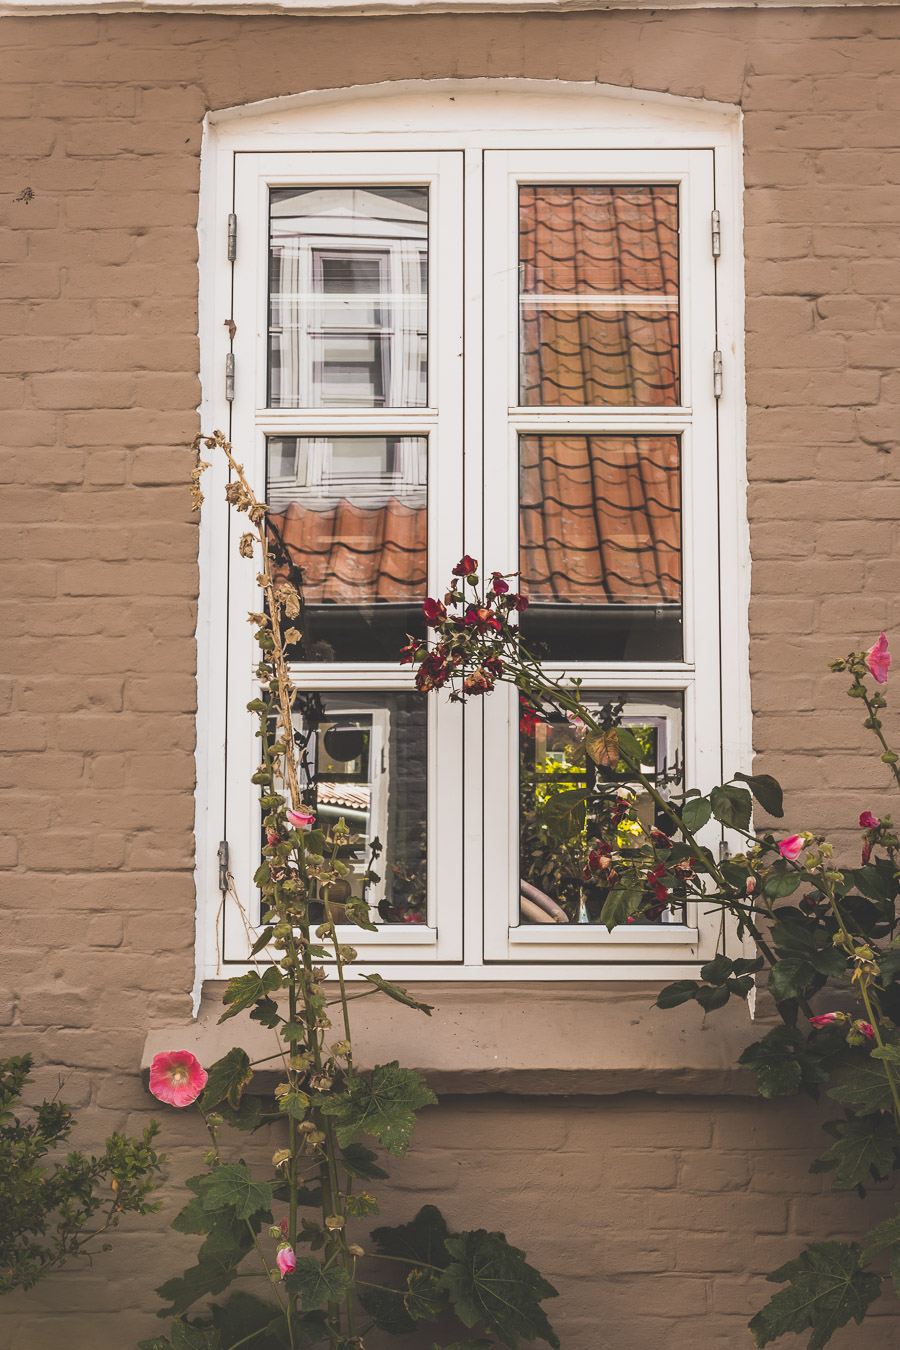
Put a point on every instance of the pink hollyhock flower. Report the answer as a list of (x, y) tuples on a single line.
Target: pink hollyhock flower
[(878, 659), (824, 1019), (285, 1260), (868, 822), (301, 820), (177, 1077), (866, 1029), (791, 848)]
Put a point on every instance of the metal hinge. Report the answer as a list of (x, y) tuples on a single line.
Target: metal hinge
[(232, 237), (724, 851), (717, 374), (716, 225), (229, 377), (222, 856)]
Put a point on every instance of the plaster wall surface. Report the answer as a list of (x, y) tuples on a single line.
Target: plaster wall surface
[(656, 1216)]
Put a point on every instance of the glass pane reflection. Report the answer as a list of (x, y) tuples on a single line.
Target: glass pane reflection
[(600, 546), (364, 758), (598, 295), (348, 297), (348, 521), (554, 844)]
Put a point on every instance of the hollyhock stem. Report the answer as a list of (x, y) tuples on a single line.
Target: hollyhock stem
[(875, 728)]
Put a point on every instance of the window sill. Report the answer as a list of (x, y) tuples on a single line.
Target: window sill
[(520, 1038)]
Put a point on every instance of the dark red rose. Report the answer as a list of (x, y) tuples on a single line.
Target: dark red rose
[(482, 619), (520, 603), (660, 840), (498, 585), (434, 612), (479, 682), (493, 665), (466, 566)]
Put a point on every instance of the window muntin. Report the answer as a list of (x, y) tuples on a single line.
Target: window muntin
[(600, 546), (348, 297), (598, 294)]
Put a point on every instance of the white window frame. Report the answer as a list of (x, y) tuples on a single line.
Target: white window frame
[(473, 120)]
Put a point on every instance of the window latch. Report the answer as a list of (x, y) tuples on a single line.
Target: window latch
[(717, 374), (222, 857)]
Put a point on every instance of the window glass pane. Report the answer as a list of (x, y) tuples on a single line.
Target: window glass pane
[(555, 839), (600, 546), (348, 522), (364, 758), (348, 297), (598, 295)]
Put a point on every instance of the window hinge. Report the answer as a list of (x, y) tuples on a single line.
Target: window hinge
[(716, 225), (222, 856), (232, 237), (717, 374), (229, 377), (724, 851)]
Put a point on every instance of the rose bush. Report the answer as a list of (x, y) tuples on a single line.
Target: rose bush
[(813, 923)]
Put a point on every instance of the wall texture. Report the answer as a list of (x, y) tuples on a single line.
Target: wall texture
[(686, 1199)]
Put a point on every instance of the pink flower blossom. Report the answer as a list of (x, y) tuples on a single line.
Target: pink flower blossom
[(285, 1260), (866, 1029), (823, 1020), (301, 820), (177, 1077), (868, 822), (878, 659), (791, 848)]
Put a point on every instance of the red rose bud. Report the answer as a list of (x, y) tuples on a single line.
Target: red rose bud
[(498, 585), (466, 566)]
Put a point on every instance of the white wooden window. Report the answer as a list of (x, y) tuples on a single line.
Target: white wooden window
[(495, 333)]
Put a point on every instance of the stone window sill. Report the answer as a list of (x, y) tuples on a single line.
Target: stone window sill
[(518, 1038)]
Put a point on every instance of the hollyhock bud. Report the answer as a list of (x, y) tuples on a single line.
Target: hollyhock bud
[(285, 1260), (866, 852), (791, 848), (177, 1077), (878, 660), (273, 837), (868, 822), (824, 1019), (865, 1029), (301, 820), (466, 566)]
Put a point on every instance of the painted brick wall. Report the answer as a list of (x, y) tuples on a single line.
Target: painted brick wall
[(686, 1200)]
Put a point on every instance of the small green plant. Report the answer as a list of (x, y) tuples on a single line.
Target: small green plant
[(54, 1210), (302, 1227)]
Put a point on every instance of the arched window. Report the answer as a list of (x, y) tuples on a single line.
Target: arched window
[(502, 319)]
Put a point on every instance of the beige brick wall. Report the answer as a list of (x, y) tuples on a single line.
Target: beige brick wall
[(687, 1200)]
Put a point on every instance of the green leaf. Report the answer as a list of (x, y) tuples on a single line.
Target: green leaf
[(619, 905), (266, 1012), (745, 966), (718, 970), (781, 883), (696, 813), (387, 1309), (245, 990), (864, 1145), (783, 1063), (862, 1083), (263, 940), (675, 994), (247, 1117), (398, 994), (790, 978), (186, 1337), (227, 1079), (766, 790), (630, 747), (232, 1187), (826, 1289), (214, 1271), (244, 1316), (425, 1296), (193, 1218), (316, 1284), (870, 881), (490, 1281), (565, 812), (360, 1162), (878, 1239), (384, 1107), (296, 1104), (732, 806), (423, 1239), (711, 997)]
